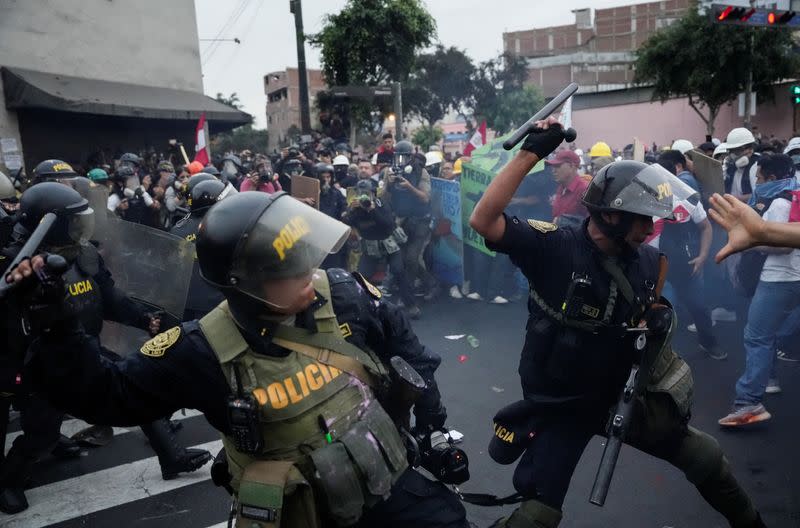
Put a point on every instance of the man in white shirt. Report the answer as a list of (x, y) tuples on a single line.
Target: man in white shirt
[(740, 168), (776, 297)]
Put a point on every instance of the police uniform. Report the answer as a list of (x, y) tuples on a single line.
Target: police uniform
[(314, 416), (202, 298), (576, 359)]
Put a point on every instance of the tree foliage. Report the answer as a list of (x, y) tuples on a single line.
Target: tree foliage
[(708, 63), (232, 100), (439, 82), (239, 139), (425, 136), (499, 95)]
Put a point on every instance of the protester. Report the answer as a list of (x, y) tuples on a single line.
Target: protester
[(567, 206)]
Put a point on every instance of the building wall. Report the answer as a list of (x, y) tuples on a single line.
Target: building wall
[(283, 101), (618, 124), (143, 42)]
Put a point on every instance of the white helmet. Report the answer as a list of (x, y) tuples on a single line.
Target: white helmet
[(432, 158), (682, 145), (722, 148), (794, 144), (716, 141), (341, 160), (739, 137), (374, 159)]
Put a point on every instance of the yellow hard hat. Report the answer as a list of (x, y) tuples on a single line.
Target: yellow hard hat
[(600, 149), (457, 166)]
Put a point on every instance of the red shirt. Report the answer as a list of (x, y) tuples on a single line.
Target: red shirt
[(568, 198)]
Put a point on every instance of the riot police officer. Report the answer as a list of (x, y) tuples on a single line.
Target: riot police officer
[(588, 286), (291, 369), (52, 170), (202, 298), (92, 298)]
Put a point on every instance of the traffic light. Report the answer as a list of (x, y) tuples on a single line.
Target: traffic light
[(755, 17), (795, 90)]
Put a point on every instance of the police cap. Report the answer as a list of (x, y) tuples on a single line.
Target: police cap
[(514, 429)]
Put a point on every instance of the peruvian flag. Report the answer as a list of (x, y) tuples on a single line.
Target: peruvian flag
[(201, 152), (478, 139)]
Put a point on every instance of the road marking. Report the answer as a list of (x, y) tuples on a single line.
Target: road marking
[(108, 488)]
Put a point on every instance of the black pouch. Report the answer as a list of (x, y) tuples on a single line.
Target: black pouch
[(340, 485)]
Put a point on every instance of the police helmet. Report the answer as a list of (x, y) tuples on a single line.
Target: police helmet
[(403, 153), (7, 191), (193, 181), (205, 193), (51, 170), (233, 159), (319, 168), (292, 167), (634, 187), (75, 223), (129, 159), (252, 238), (212, 170)]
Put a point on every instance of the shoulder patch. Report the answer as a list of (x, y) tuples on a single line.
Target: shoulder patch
[(373, 291), (157, 346), (542, 227)]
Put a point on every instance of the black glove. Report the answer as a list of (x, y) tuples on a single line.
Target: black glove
[(429, 419), (543, 142), (43, 299), (658, 319)]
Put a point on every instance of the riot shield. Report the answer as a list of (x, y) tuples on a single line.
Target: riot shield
[(98, 201), (151, 266)]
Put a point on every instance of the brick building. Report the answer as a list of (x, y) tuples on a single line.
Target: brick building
[(596, 51), (283, 101)]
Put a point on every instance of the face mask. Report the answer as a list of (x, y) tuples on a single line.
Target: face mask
[(742, 161)]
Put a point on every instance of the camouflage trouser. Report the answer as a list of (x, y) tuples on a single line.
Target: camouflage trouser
[(546, 467)]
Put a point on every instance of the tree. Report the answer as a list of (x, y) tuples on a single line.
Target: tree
[(440, 82), (239, 139), (425, 136), (499, 95), (372, 42), (709, 63), (232, 100)]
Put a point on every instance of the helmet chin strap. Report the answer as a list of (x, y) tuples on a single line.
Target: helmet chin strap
[(616, 232)]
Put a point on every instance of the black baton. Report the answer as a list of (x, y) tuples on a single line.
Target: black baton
[(546, 110), (28, 249)]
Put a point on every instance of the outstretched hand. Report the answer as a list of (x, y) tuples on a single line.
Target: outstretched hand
[(744, 226)]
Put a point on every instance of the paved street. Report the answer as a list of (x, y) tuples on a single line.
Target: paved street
[(120, 485)]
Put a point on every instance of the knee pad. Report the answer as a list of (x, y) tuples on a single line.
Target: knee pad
[(701, 457)]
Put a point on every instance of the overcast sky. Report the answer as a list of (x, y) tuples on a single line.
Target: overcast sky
[(266, 31)]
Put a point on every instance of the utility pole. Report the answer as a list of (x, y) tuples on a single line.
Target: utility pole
[(748, 90), (296, 9), (397, 92)]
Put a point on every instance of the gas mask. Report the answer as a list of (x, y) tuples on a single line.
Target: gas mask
[(741, 161)]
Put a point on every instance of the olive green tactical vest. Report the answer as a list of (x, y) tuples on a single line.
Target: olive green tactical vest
[(296, 392)]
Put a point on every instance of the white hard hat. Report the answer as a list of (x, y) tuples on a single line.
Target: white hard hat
[(794, 144), (739, 137), (579, 152), (374, 159), (432, 158), (716, 141), (722, 148), (682, 145), (341, 160)]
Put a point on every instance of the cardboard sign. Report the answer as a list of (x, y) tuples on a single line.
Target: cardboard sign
[(305, 187), (708, 172)]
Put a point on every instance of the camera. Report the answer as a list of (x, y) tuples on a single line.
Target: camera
[(365, 201), (265, 176), (445, 461)]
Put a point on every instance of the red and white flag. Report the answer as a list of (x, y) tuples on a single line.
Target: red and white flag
[(200, 150), (478, 139)]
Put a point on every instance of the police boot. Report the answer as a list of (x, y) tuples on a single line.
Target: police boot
[(173, 457), (531, 514), (13, 474), (66, 448)]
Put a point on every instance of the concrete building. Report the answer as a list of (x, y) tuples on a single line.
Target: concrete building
[(283, 102), (88, 78), (596, 51)]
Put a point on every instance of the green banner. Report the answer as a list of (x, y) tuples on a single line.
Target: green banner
[(476, 175)]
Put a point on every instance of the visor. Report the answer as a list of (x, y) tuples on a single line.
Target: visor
[(287, 242), (402, 159), (80, 227), (653, 192)]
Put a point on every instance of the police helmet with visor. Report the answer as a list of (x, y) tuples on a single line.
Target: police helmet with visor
[(75, 223), (403, 153)]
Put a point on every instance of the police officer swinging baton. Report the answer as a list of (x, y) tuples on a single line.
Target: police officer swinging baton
[(549, 108), (55, 263)]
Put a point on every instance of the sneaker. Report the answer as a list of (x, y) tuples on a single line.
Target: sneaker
[(773, 387), (499, 300), (455, 293), (722, 315), (785, 356), (714, 352), (693, 327), (746, 415), (475, 296)]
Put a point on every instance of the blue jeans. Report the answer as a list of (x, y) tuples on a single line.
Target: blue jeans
[(689, 293), (772, 304)]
